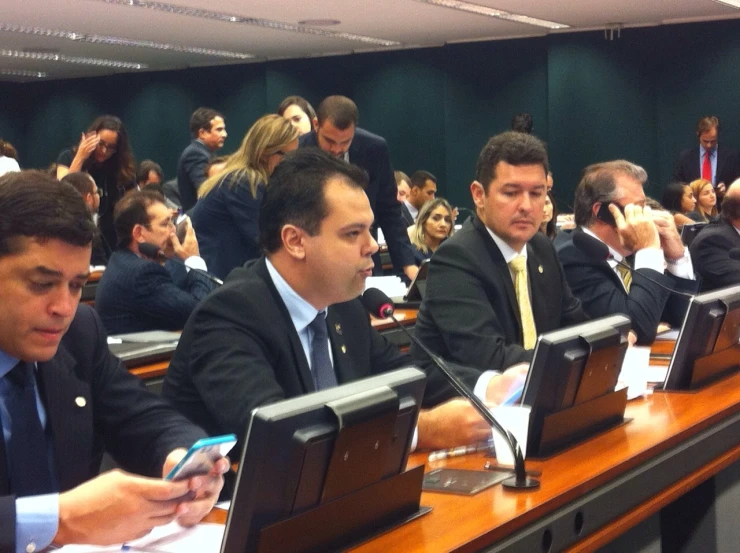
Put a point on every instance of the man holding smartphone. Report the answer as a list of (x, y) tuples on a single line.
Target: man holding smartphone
[(66, 399), (610, 208)]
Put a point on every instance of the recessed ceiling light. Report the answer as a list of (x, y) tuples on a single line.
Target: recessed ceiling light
[(40, 56), (498, 14), (320, 22), (118, 41), (257, 22), (23, 73), (733, 3)]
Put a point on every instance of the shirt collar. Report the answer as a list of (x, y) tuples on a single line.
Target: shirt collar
[(615, 255), (301, 312), (412, 210), (6, 363), (507, 251), (704, 151)]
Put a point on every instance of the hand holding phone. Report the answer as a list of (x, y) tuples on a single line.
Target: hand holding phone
[(201, 456)]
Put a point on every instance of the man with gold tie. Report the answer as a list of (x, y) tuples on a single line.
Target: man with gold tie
[(610, 208), (497, 282)]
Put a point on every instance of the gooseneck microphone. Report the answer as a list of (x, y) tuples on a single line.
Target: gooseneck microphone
[(596, 250), (150, 250), (380, 305)]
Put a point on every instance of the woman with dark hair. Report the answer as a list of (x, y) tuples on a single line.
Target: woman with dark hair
[(103, 152), (433, 226), (679, 200), (549, 224), (299, 112)]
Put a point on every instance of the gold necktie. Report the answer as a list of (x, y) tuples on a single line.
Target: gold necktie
[(626, 275), (521, 286)]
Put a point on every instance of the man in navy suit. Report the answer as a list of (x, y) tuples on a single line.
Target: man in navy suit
[(336, 133), (208, 130), (137, 293), (65, 398)]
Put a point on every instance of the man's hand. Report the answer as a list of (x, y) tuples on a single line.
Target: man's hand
[(189, 246), (410, 271), (450, 424), (117, 506), (670, 240), (635, 228), (204, 488), (500, 386)]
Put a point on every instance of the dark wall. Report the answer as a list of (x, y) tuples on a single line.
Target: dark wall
[(637, 97)]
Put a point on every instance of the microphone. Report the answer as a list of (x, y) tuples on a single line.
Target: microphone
[(596, 250), (380, 305), (150, 250)]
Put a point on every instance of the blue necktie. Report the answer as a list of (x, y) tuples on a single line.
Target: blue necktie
[(28, 463), (323, 371)]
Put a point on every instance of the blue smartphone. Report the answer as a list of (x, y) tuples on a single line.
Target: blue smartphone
[(201, 456)]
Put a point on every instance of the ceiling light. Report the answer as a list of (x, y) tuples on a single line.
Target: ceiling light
[(733, 3), (118, 41), (40, 56), (257, 22), (498, 14), (320, 22), (23, 73)]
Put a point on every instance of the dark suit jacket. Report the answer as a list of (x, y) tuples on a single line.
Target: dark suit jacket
[(240, 350), (601, 292), (118, 415), (370, 152), (687, 166), (136, 294), (406, 214), (191, 172), (710, 252), (226, 222), (470, 315)]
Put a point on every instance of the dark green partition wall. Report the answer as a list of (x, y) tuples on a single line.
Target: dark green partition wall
[(636, 97)]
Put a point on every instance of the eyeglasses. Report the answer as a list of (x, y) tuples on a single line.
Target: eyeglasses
[(106, 146)]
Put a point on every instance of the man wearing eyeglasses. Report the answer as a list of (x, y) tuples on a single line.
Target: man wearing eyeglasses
[(137, 293)]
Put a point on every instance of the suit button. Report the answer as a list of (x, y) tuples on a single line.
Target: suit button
[(31, 548)]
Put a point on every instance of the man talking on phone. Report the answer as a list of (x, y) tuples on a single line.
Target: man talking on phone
[(610, 210), (66, 398)]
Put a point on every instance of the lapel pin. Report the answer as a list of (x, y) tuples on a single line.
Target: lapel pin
[(80, 401), (338, 328), (540, 269), (344, 348)]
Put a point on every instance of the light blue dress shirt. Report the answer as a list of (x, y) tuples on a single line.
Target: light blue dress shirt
[(712, 160), (37, 517)]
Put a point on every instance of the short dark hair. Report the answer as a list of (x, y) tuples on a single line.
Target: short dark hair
[(340, 110), (131, 211), (34, 204), (419, 179), (201, 119), (707, 123), (599, 184), (142, 173), (513, 147), (522, 122), (82, 181), (299, 101), (295, 193)]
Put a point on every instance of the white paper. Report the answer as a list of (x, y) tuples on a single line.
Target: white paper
[(634, 371), (515, 419), (170, 538), (224, 505), (390, 285)]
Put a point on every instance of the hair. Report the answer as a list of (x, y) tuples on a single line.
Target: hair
[(522, 122), (295, 194), (340, 110), (269, 134), (122, 160), (599, 184), (35, 205), (418, 233), (297, 101), (707, 123), (419, 179), (82, 182), (131, 210), (142, 173), (672, 197), (400, 176), (731, 204), (515, 148), (201, 119), (551, 228), (8, 150), (696, 187)]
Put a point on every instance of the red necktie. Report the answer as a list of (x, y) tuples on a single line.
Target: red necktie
[(706, 168)]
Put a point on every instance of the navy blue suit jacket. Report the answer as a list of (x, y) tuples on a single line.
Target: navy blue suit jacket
[(191, 172), (136, 294), (226, 222), (687, 166), (370, 152), (710, 252), (93, 404)]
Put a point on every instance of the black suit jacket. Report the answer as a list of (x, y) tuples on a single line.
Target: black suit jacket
[(601, 292), (370, 152), (470, 315), (406, 214), (94, 404), (687, 166), (710, 252), (191, 172), (240, 350)]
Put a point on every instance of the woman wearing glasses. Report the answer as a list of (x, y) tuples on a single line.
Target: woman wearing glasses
[(226, 215), (103, 152)]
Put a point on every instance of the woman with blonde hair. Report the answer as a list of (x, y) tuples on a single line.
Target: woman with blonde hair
[(433, 226), (226, 215), (706, 200)]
